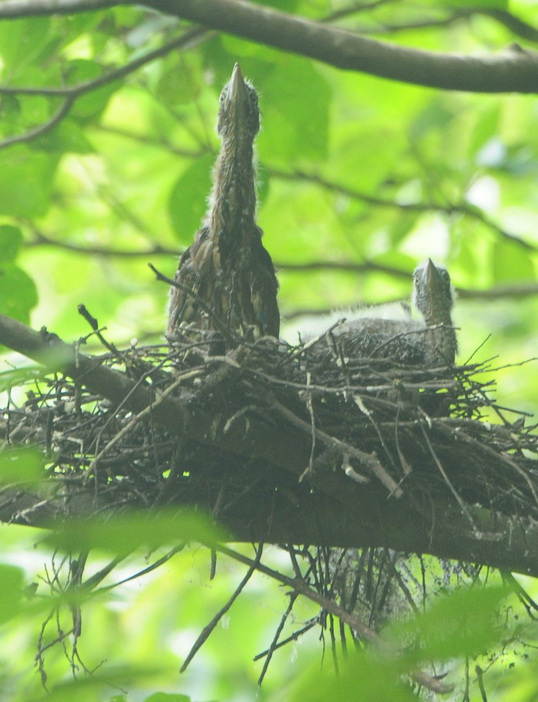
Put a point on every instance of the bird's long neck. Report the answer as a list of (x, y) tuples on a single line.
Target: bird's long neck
[(437, 313), (441, 343), (233, 198)]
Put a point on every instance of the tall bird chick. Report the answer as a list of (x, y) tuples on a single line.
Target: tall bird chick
[(227, 269)]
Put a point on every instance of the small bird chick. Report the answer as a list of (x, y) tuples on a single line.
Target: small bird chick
[(433, 297), (430, 341)]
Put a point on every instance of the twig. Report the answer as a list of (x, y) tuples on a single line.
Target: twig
[(298, 584), (206, 632), (452, 489), (42, 129), (94, 324), (274, 643), (219, 324), (450, 209), (370, 461)]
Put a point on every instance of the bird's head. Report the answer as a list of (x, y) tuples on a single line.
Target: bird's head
[(432, 292), (239, 114)]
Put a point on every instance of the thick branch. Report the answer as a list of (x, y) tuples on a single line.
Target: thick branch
[(330, 510), (511, 71)]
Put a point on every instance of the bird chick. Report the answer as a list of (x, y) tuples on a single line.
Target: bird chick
[(429, 341), (433, 297), (226, 279)]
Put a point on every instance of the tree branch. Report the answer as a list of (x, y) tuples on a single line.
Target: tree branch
[(510, 71), (72, 93), (517, 26), (464, 208), (499, 292), (41, 129)]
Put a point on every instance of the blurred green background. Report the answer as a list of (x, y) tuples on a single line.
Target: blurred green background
[(360, 179)]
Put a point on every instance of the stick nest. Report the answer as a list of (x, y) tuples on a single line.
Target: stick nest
[(421, 432)]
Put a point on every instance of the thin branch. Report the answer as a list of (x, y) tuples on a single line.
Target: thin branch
[(42, 129), (75, 91), (517, 26), (72, 93), (160, 142), (41, 239), (299, 585), (509, 71), (206, 631), (275, 644), (499, 292), (514, 24), (450, 209)]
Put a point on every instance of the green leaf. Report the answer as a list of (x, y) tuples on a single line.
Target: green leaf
[(485, 131), (92, 103), (21, 42), (10, 242), (125, 533), (479, 4), (21, 466), (179, 84), (167, 697), (187, 203), (11, 583), (294, 102), (436, 115), (95, 686), (10, 109), (66, 137), (511, 263), (463, 623), (18, 294), (26, 182), (362, 678), (15, 377)]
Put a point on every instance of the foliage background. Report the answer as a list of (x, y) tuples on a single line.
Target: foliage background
[(354, 171)]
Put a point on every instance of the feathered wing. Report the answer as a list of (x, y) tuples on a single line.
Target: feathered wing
[(238, 292), (194, 275), (249, 294)]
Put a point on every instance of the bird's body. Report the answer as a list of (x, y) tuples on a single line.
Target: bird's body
[(229, 274), (430, 341)]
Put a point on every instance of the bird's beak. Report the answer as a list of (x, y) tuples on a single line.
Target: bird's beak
[(430, 272), (432, 280), (238, 96), (237, 83)]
